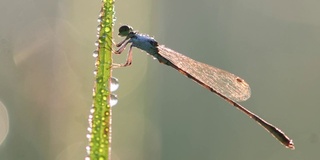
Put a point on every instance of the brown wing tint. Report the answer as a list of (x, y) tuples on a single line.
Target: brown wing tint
[(219, 80)]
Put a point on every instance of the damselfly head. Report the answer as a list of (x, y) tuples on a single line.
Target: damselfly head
[(125, 30)]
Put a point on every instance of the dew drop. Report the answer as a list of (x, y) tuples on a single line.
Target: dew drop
[(96, 43), (92, 111), (95, 72), (107, 29), (99, 80), (99, 19), (97, 63), (114, 84), (113, 100), (95, 54), (90, 122)]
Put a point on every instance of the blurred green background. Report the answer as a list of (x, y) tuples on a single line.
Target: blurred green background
[(46, 69)]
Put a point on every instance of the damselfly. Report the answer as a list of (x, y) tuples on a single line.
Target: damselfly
[(226, 85)]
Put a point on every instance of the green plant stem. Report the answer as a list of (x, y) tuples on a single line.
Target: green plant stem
[(100, 119)]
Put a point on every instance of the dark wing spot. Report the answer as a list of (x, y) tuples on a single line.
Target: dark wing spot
[(239, 80)]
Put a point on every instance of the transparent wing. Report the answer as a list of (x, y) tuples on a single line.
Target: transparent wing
[(217, 79)]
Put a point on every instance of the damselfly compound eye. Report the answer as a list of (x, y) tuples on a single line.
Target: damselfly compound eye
[(125, 30)]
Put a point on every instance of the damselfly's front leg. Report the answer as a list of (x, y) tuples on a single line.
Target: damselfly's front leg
[(122, 46)]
